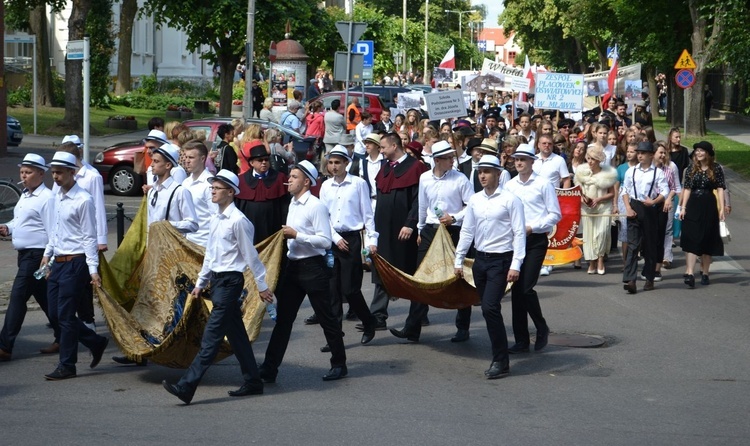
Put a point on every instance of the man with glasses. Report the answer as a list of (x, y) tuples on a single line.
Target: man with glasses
[(443, 194), (263, 197)]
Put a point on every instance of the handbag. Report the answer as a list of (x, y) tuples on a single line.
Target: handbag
[(726, 236)]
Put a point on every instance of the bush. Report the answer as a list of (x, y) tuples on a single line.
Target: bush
[(20, 97)]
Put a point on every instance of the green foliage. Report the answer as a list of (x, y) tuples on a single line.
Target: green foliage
[(20, 97), (150, 101), (102, 47), (238, 91)]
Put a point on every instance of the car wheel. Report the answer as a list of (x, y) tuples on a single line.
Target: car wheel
[(124, 181)]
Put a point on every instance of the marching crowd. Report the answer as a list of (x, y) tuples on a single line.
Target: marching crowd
[(489, 178)]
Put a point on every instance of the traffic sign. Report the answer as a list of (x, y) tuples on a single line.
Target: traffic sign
[(367, 48), (358, 28), (272, 52), (685, 78), (685, 62), (482, 44), (74, 50)]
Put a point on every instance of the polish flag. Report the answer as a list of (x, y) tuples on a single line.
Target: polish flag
[(529, 74), (449, 61), (612, 77)]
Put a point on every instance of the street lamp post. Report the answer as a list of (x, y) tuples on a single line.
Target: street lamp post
[(426, 23), (460, 14)]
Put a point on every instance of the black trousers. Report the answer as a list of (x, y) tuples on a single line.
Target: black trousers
[(523, 295), (417, 310), (645, 234), (346, 280), (225, 320), (309, 277), (24, 286), (491, 278), (63, 295)]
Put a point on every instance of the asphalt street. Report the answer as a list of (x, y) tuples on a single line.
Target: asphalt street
[(674, 371)]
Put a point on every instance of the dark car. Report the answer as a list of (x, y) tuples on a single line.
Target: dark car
[(371, 102), (115, 163), (384, 92), (15, 132)]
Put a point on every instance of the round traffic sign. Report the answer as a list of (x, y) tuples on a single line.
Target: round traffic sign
[(685, 78), (272, 52)]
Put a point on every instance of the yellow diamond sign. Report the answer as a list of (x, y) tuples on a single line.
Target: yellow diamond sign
[(685, 62)]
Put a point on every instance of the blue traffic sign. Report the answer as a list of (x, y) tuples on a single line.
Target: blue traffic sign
[(685, 78), (482, 44), (367, 48)]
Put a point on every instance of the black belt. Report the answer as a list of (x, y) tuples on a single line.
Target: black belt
[(221, 274), (494, 255), (345, 233), (308, 260)]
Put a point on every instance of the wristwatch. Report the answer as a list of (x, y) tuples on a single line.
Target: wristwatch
[(454, 219)]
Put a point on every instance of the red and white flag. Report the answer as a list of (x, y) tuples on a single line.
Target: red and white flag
[(528, 73), (612, 77), (449, 61)]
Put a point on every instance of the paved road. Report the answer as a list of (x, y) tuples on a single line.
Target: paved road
[(675, 371)]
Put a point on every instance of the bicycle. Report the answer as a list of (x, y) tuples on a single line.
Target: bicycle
[(9, 196)]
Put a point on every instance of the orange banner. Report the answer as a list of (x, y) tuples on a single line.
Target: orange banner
[(564, 247)]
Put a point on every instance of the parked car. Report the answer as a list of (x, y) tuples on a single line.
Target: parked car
[(115, 163), (384, 92), (15, 132), (371, 102)]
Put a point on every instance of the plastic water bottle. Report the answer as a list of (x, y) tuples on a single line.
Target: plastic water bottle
[(329, 258), (366, 254), (42, 272), (677, 210), (439, 213), (271, 310)]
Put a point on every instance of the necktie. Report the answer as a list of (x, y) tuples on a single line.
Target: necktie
[(259, 176), (393, 163)]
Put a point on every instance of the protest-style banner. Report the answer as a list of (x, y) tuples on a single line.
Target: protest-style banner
[(405, 101), (633, 89), (500, 67), (559, 91), (628, 72), (445, 104), (564, 247), (441, 75)]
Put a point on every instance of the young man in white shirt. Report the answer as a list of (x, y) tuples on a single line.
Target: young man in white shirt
[(308, 235), (71, 229), (643, 192), (27, 230), (153, 141), (494, 221), (348, 201), (361, 131), (443, 194), (371, 165), (524, 128), (200, 189), (229, 253), (541, 214)]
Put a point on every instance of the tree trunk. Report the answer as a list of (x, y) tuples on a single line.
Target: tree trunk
[(128, 10), (228, 65), (653, 92), (73, 119), (38, 27)]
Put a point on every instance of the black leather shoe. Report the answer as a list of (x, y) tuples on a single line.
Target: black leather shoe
[(96, 355), (542, 337), (367, 336), (690, 280), (425, 321), (178, 391), (60, 373), (248, 389), (403, 335), (648, 286), (630, 287), (461, 336), (497, 371), (380, 325), (325, 349), (312, 320), (124, 360), (336, 373), (519, 347), (266, 375), (704, 279)]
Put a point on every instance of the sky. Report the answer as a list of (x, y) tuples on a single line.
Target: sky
[(494, 8)]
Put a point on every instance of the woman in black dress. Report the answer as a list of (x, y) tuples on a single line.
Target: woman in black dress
[(700, 214)]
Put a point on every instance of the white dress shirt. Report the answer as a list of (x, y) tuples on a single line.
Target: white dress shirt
[(360, 133), (449, 193), (641, 183), (181, 212), (29, 218), (230, 248), (553, 168), (201, 194), (496, 225), (72, 226), (90, 180), (609, 154), (541, 207), (309, 217), (373, 168), (349, 207)]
